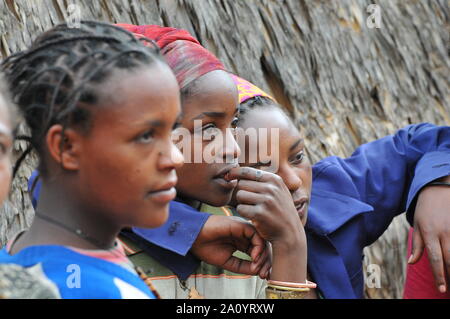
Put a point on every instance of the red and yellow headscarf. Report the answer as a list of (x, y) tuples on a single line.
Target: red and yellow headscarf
[(248, 90), (184, 54), (188, 59)]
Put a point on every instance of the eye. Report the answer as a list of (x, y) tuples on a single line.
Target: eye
[(209, 131), (235, 122), (298, 158), (234, 126), (146, 137)]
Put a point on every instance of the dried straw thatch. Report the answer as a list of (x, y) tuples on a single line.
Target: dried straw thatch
[(344, 82)]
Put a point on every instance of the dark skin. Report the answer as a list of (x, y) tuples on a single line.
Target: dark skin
[(433, 233), (213, 100), (121, 172), (268, 200), (431, 219)]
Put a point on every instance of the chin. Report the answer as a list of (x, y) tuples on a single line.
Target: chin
[(218, 201), (156, 217)]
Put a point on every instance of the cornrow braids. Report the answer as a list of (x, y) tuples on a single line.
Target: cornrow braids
[(54, 81), (259, 102), (256, 102)]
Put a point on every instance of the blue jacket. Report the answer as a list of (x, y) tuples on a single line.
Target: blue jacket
[(353, 202)]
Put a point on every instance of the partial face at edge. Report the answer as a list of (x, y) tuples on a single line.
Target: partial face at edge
[(6, 143)]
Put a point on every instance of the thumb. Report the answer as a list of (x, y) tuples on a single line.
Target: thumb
[(417, 246)]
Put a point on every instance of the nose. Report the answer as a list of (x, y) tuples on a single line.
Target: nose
[(231, 149), (170, 158), (290, 178)]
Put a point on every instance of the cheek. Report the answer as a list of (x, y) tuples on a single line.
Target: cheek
[(192, 174), (116, 169), (306, 176)]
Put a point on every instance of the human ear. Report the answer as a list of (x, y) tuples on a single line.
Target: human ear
[(64, 146)]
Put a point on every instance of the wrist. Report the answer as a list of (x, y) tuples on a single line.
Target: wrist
[(443, 181), (296, 241), (289, 263)]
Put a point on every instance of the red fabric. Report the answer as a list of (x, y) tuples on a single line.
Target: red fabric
[(420, 282), (184, 54)]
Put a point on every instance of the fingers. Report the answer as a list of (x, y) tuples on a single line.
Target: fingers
[(240, 266), (417, 246), (256, 248), (437, 264), (264, 273), (249, 198), (250, 212), (250, 173), (252, 186), (445, 243), (259, 260)]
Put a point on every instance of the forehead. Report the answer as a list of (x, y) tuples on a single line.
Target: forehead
[(130, 95), (213, 92), (272, 126), (268, 117)]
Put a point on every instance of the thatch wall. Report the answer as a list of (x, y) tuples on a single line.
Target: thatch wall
[(344, 82)]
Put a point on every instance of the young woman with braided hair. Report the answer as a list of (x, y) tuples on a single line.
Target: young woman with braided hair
[(101, 107)]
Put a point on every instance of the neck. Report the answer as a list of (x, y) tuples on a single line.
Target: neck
[(61, 220)]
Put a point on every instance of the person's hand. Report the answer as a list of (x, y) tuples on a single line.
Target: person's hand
[(432, 230), (265, 200), (221, 236)]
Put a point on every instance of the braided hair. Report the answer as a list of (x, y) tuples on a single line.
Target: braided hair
[(54, 81), (258, 102)]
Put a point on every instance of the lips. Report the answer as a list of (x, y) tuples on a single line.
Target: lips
[(223, 179), (300, 205), (165, 193)]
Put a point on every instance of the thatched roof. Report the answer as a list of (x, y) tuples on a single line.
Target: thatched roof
[(344, 82)]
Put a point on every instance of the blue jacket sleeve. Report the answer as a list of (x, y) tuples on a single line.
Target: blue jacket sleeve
[(180, 230), (388, 173)]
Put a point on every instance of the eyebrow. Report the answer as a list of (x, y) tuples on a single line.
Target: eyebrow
[(294, 146), (210, 114), (156, 123), (216, 115)]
